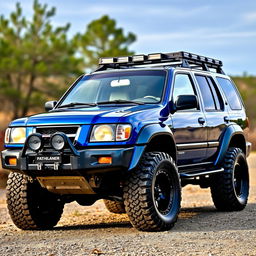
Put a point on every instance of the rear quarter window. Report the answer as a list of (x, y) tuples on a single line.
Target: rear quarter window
[(231, 93)]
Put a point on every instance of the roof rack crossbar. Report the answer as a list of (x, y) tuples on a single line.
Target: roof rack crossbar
[(185, 58)]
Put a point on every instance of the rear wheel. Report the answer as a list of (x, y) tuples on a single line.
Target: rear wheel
[(114, 206), (152, 193), (31, 206), (230, 189)]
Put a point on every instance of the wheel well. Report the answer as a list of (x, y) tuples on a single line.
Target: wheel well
[(163, 143), (238, 141)]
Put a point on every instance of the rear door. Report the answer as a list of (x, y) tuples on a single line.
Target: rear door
[(189, 126), (235, 103), (215, 112)]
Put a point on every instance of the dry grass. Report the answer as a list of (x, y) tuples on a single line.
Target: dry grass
[(252, 139)]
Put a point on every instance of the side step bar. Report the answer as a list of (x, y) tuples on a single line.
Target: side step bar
[(200, 173)]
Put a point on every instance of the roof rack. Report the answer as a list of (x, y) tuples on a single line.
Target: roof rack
[(182, 59)]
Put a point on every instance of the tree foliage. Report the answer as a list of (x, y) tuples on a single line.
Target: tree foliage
[(37, 59), (30, 52), (102, 38)]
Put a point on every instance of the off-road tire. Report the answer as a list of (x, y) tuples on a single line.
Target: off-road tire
[(230, 189), (142, 197), (31, 206), (114, 206)]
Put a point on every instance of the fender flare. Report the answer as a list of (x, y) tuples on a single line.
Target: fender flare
[(230, 132), (146, 134)]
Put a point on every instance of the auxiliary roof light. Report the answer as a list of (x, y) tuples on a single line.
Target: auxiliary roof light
[(138, 58), (123, 59), (106, 60), (156, 56)]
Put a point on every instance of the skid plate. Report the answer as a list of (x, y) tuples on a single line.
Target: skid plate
[(66, 184)]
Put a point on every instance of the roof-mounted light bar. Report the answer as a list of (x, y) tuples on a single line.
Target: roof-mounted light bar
[(177, 58)]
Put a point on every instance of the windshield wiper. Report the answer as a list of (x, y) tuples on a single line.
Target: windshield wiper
[(73, 104), (120, 102)]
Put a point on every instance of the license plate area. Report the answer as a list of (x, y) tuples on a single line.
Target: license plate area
[(40, 159)]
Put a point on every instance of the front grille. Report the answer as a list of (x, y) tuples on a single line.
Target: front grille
[(70, 131)]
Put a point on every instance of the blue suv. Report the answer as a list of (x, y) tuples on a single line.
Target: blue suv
[(133, 133)]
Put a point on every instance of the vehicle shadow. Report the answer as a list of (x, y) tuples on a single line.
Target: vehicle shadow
[(102, 225), (209, 219), (203, 219)]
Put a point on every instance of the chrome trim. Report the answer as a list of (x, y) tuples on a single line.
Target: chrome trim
[(192, 145), (213, 144), (78, 133), (56, 126), (74, 135), (210, 144)]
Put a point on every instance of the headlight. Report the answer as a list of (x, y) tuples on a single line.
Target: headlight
[(103, 133), (15, 135), (106, 132)]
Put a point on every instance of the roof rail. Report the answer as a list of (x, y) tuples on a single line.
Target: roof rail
[(184, 59)]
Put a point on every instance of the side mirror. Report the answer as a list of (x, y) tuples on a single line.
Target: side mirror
[(49, 105), (186, 102)]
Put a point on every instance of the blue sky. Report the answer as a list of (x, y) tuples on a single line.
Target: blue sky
[(221, 29)]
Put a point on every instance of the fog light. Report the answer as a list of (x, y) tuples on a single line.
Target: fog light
[(12, 161), (105, 160), (34, 142), (58, 142)]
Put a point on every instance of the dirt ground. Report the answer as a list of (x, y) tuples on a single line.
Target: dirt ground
[(200, 230)]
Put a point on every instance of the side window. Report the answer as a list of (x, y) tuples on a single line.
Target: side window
[(209, 94), (216, 94), (230, 93), (182, 86)]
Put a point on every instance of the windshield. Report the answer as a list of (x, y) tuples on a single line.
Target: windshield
[(117, 87)]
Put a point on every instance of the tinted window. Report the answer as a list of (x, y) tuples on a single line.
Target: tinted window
[(209, 103), (216, 93), (142, 86), (182, 86), (230, 93)]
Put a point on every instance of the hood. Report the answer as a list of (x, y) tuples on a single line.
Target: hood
[(99, 114)]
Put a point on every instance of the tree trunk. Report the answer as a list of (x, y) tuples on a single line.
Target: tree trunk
[(29, 94)]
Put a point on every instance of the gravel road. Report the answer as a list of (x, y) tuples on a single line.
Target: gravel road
[(200, 230)]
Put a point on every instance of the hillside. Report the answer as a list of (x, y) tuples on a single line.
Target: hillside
[(247, 88)]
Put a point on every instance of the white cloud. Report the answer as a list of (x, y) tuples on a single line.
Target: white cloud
[(198, 34), (250, 17)]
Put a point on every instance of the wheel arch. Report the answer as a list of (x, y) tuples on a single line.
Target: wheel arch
[(154, 137), (233, 137)]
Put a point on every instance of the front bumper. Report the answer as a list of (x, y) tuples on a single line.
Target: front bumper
[(82, 162)]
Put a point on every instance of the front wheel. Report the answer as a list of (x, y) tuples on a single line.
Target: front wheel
[(152, 193), (230, 189), (31, 206)]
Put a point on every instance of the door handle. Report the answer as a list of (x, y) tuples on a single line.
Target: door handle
[(226, 119), (201, 120)]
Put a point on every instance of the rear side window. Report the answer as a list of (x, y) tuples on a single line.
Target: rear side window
[(230, 93), (209, 103)]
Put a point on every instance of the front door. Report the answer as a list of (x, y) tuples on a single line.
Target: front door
[(189, 126)]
